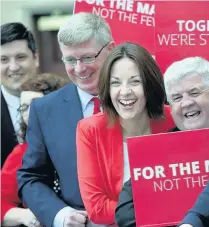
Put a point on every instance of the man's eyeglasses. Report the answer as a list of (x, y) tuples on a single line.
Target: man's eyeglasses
[(22, 109), (85, 60)]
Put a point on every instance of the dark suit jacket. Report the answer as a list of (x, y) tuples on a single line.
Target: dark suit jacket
[(198, 216), (124, 214), (51, 144), (8, 137)]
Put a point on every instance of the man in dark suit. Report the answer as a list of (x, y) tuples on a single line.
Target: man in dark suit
[(187, 90), (19, 62), (85, 41)]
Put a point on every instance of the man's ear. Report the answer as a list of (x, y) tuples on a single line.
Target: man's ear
[(111, 45), (36, 57)]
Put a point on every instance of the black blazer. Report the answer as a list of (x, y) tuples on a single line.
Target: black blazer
[(8, 137), (124, 214)]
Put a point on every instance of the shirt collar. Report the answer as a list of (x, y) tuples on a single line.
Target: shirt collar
[(84, 97), (11, 100)]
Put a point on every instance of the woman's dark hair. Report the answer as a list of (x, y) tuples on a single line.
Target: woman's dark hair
[(44, 83), (17, 31), (150, 74)]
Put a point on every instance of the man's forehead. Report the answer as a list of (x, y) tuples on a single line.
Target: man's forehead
[(17, 46), (186, 84), (80, 49)]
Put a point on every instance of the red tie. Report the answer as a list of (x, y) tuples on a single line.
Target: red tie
[(96, 105)]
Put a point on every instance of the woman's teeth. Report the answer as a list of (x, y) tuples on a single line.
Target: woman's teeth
[(127, 102)]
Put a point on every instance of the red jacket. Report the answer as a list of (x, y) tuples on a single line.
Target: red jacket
[(100, 163), (9, 185)]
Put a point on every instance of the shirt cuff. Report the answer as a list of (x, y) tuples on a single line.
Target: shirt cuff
[(60, 216), (192, 219)]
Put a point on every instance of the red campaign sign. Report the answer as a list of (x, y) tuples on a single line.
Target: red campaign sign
[(182, 30), (131, 20), (169, 30), (168, 173)]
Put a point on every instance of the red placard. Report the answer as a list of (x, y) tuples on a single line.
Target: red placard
[(129, 20), (169, 30), (182, 30), (168, 173)]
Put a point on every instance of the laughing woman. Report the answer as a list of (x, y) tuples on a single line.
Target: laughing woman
[(132, 96)]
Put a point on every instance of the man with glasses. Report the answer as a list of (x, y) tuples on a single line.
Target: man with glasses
[(85, 41)]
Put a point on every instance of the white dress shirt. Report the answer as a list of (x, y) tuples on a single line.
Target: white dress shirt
[(13, 103)]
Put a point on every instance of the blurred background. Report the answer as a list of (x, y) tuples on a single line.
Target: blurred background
[(43, 18)]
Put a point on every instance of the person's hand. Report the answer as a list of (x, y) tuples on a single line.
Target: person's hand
[(76, 218), (30, 220), (186, 225)]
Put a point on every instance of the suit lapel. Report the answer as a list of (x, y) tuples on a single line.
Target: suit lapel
[(5, 111), (8, 137), (5, 117), (73, 103)]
